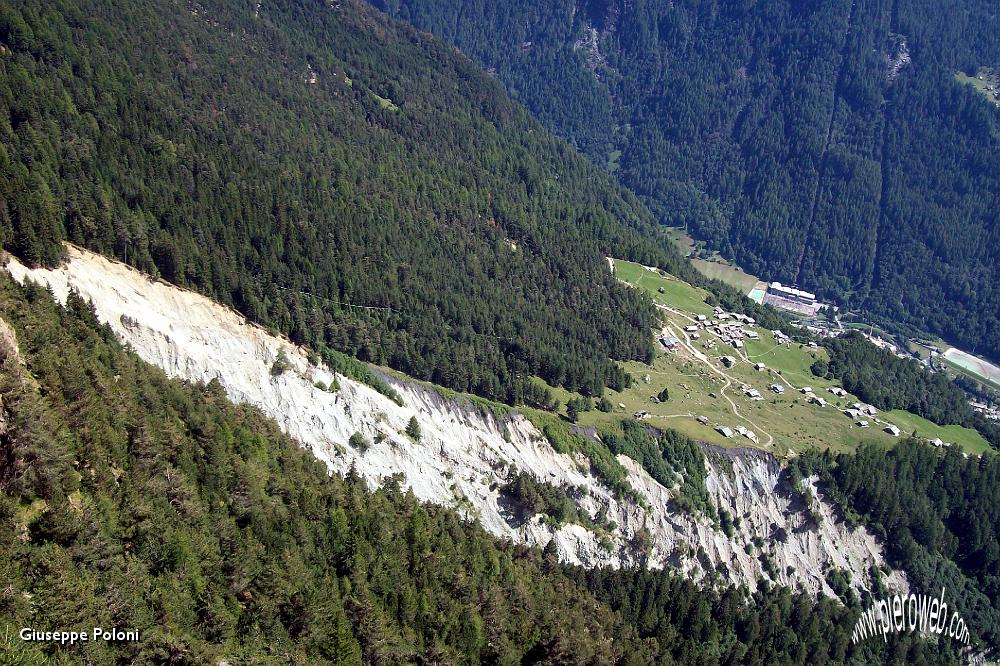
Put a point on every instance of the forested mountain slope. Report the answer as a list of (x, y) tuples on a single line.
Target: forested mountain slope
[(332, 174), (825, 143), (457, 452), (134, 501), (939, 513)]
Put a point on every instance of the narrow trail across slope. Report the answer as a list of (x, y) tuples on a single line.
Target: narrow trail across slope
[(685, 341), (747, 358)]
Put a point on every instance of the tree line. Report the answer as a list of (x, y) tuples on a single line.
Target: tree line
[(827, 144), (330, 173), (132, 500)]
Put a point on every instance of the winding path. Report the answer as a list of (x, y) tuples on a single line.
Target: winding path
[(686, 343)]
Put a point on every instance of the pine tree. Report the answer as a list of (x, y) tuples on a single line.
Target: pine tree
[(413, 429)]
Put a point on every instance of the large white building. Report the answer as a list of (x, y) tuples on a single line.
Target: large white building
[(792, 292), (791, 298)]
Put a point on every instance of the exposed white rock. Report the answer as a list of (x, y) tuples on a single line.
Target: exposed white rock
[(464, 452), (8, 344)]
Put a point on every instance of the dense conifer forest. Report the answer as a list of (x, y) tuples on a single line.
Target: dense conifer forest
[(938, 512), (825, 143), (131, 500), (330, 173), (879, 377), (366, 190)]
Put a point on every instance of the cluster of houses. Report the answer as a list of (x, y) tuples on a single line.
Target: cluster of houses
[(733, 328), (863, 415), (819, 328), (894, 349), (988, 411), (728, 432), (812, 397), (857, 410), (991, 90), (729, 326)]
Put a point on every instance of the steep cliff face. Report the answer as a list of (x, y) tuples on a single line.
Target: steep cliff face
[(9, 356), (465, 452)]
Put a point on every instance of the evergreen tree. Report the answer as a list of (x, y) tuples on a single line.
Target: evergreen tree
[(413, 429)]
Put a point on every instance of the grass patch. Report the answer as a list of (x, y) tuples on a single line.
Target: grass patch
[(711, 264), (984, 79), (792, 359), (970, 440), (358, 371), (613, 158), (385, 102), (716, 269), (681, 239), (676, 293)]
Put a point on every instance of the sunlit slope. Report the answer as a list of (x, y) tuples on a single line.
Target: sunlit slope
[(791, 421)]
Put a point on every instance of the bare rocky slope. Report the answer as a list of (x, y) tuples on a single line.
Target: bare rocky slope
[(465, 451)]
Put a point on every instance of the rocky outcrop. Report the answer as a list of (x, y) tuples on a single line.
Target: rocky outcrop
[(8, 344), (465, 452)]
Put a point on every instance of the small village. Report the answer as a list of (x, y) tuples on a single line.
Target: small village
[(732, 329), (798, 301), (721, 377)]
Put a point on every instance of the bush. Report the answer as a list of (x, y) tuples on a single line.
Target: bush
[(820, 368), (577, 405), (281, 364), (726, 522), (359, 442)]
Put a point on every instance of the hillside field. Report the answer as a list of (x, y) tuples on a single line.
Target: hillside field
[(782, 423)]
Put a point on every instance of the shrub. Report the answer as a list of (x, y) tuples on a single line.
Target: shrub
[(281, 364), (359, 442)]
